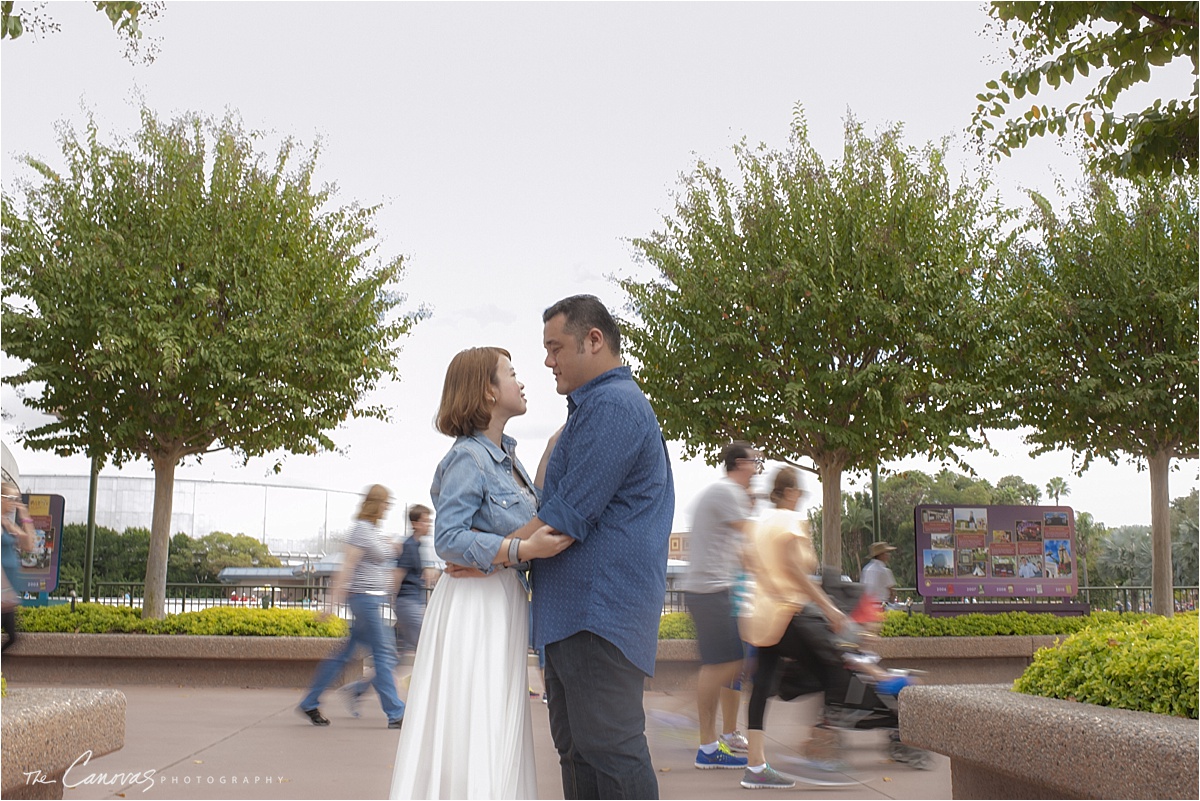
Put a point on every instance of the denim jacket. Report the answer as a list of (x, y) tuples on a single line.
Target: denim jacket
[(478, 501)]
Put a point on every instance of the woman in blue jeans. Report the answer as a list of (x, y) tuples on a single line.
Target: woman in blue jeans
[(366, 580)]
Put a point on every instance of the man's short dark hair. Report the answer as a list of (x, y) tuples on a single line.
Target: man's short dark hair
[(417, 511), (738, 449), (583, 313)]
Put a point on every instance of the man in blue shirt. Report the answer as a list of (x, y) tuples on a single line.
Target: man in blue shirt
[(596, 605)]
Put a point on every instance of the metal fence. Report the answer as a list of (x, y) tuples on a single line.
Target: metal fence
[(1108, 599), (192, 597)]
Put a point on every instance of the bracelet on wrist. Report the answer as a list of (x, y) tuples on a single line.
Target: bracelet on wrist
[(514, 549)]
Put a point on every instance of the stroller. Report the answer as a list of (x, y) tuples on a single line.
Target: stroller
[(856, 698)]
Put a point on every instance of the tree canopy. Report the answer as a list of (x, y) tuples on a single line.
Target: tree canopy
[(1053, 42), (126, 19), (1101, 333), (819, 311), (182, 294)]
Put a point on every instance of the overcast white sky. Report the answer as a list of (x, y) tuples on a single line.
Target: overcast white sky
[(516, 149)]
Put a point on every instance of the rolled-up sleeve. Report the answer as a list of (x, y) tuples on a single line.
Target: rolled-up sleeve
[(597, 465), (458, 493)]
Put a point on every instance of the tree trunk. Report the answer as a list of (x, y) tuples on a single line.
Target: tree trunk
[(831, 515), (154, 601), (1162, 576)]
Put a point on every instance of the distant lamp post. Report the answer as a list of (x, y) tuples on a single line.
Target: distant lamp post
[(89, 543), (306, 571)]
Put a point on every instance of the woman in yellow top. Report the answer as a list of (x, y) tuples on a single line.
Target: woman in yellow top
[(782, 556)]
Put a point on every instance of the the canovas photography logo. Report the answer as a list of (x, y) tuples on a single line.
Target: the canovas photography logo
[(78, 775)]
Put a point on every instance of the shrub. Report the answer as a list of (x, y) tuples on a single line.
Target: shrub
[(85, 619), (104, 619), (676, 626), (1147, 665), (252, 623), (900, 624)]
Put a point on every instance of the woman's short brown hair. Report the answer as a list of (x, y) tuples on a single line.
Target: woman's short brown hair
[(465, 407), (786, 478), (374, 504)]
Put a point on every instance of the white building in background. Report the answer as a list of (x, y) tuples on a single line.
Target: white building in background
[(286, 518)]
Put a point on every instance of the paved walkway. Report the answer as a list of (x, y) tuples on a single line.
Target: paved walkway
[(218, 743)]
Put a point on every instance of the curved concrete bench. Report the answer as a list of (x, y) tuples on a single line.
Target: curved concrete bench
[(1004, 744), (51, 732), (188, 659)]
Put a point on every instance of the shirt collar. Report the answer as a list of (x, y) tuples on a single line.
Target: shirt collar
[(622, 373), (497, 453)]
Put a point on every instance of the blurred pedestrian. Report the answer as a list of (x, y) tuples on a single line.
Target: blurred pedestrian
[(18, 536), (410, 596), (877, 578), (784, 560), (720, 521), (409, 603), (366, 579)]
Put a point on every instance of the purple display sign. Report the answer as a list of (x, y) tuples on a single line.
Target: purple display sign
[(996, 551), (39, 567)]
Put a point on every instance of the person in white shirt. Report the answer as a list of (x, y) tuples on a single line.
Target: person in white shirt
[(877, 578)]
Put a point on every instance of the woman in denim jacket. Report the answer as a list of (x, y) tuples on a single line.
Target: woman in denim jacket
[(467, 732)]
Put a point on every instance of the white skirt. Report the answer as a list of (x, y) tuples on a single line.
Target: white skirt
[(467, 728)]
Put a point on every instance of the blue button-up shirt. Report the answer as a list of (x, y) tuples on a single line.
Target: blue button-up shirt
[(608, 485), (478, 501)]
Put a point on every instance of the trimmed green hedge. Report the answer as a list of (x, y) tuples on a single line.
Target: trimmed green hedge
[(679, 626), (901, 624), (1147, 665), (221, 620), (676, 626)]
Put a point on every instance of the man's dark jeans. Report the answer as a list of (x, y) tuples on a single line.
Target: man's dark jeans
[(597, 719)]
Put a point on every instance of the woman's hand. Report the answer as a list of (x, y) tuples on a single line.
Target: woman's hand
[(461, 571), (544, 543), (837, 619)]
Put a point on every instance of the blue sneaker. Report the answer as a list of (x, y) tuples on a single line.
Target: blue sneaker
[(721, 758)]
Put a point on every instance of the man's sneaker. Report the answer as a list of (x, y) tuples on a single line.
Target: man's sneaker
[(767, 779), (314, 716), (736, 742), (350, 696), (396, 724), (721, 758)]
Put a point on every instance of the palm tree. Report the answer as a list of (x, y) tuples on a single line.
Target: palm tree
[(1056, 487), (857, 520)]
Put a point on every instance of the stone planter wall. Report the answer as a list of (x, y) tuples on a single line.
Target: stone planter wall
[(99, 660), (1004, 744), (46, 731), (945, 660)]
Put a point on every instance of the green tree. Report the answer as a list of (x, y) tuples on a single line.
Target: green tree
[(899, 495), (1185, 538), (819, 311), (1054, 41), (235, 550), (118, 557), (1102, 334), (1125, 558), (185, 564), (955, 489), (126, 19), (183, 295), (1057, 487), (1088, 535), (1016, 491), (857, 534)]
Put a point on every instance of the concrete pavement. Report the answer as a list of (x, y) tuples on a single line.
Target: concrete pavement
[(221, 743)]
